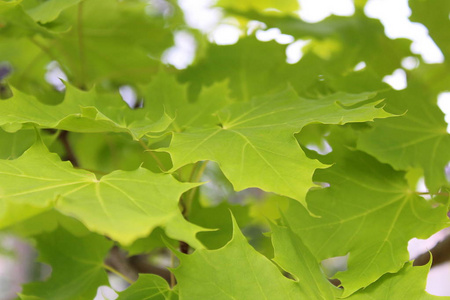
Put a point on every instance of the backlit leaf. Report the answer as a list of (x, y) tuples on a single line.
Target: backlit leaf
[(82, 112), (368, 212), (254, 143), (123, 205)]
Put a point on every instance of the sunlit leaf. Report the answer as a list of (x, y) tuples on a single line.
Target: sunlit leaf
[(81, 112), (254, 143), (368, 212), (123, 205)]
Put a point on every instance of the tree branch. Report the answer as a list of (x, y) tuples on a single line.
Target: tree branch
[(69, 152), (132, 266)]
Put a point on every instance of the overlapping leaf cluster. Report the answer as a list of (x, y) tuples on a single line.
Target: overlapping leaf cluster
[(81, 171)]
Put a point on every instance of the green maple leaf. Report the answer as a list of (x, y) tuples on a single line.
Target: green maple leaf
[(77, 266), (284, 6), (123, 205), (417, 139), (434, 15), (15, 22), (398, 286), (254, 143), (121, 46), (106, 152), (166, 95), (15, 143), (81, 112), (241, 64), (149, 286), (248, 275), (115, 47), (46, 222), (369, 212), (336, 36), (324, 68), (293, 256), (29, 64), (48, 11)]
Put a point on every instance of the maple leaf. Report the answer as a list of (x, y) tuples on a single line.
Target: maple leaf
[(368, 212), (123, 205), (77, 266), (254, 143)]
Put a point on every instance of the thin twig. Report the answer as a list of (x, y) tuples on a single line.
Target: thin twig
[(172, 264)]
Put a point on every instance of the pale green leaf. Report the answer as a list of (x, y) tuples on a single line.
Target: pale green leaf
[(120, 46), (48, 221), (368, 212), (14, 144), (149, 286), (434, 14), (248, 275), (49, 10), (123, 205), (166, 95), (284, 6), (408, 283), (241, 64), (28, 62), (294, 257), (417, 139), (254, 143), (82, 112), (336, 36), (106, 152), (15, 22), (31, 183)]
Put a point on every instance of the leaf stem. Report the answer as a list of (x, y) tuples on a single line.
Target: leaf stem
[(112, 270), (157, 160), (172, 264), (195, 176), (186, 202)]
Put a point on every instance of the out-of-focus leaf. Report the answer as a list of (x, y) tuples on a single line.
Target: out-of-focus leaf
[(81, 112), (77, 266)]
